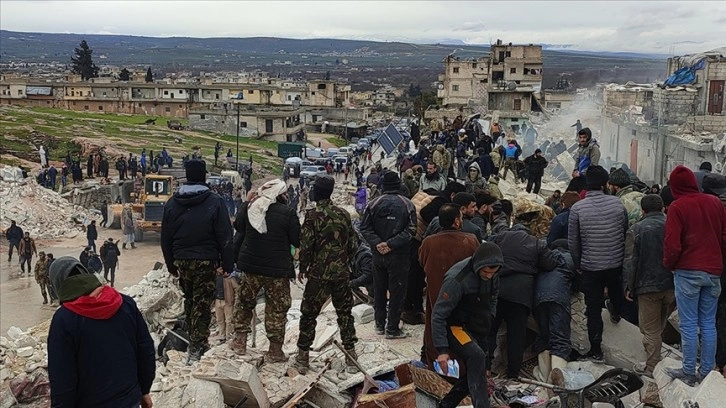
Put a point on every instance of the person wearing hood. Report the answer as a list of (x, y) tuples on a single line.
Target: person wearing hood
[(694, 249), (100, 352), (410, 184), (621, 187), (461, 320), (268, 229), (524, 257), (596, 239), (441, 158), (553, 313), (588, 152), (389, 225), (474, 180), (704, 169), (433, 179), (535, 164), (195, 242), (436, 263)]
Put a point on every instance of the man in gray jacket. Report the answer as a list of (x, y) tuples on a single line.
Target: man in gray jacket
[(596, 238), (461, 319), (646, 278)]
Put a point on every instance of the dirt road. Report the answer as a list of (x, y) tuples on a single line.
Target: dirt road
[(20, 298)]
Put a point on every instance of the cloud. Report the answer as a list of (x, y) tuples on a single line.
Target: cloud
[(593, 25)]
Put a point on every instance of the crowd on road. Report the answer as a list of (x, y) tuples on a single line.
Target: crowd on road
[(439, 247)]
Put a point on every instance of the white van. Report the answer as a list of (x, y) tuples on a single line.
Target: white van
[(234, 178), (345, 151)]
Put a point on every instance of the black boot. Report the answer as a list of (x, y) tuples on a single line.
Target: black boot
[(45, 299)]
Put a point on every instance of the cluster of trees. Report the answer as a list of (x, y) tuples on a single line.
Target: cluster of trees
[(82, 64)]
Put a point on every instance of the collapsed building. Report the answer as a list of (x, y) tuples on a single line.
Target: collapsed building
[(653, 128)]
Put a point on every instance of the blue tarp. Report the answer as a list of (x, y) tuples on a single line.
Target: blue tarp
[(685, 75)]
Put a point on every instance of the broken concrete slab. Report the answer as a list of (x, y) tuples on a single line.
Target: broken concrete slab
[(168, 399), (237, 379), (362, 313), (202, 393)]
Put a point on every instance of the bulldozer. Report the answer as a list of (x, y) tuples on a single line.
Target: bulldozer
[(156, 191)]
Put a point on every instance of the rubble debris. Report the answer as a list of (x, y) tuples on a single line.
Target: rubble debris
[(710, 393), (40, 211)]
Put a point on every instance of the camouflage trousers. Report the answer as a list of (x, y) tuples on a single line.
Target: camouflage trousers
[(317, 291), (277, 303), (510, 164), (198, 280), (44, 283)]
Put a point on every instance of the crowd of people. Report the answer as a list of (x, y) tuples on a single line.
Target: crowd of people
[(439, 247)]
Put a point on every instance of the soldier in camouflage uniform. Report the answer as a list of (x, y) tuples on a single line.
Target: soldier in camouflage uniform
[(328, 244), (620, 186), (41, 276), (536, 217), (196, 240)]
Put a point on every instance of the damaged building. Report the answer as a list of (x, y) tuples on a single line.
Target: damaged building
[(653, 128)]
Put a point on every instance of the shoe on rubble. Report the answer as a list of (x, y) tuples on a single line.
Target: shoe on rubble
[(395, 334), (380, 330), (350, 366), (614, 317), (690, 380), (642, 369), (595, 357)]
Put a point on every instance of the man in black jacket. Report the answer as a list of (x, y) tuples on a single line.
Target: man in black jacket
[(388, 225), (461, 321), (267, 228), (109, 255), (195, 240), (13, 234), (646, 278), (535, 164), (524, 257), (92, 235)]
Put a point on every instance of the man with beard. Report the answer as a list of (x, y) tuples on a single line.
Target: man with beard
[(588, 152), (433, 178)]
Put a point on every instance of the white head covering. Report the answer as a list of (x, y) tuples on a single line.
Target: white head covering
[(266, 195)]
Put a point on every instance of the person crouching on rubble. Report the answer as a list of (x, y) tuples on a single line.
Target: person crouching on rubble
[(267, 227), (100, 352), (461, 321)]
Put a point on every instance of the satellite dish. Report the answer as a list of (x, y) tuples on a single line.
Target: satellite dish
[(440, 86), (511, 85)]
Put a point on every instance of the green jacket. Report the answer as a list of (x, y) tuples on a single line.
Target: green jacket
[(631, 201)]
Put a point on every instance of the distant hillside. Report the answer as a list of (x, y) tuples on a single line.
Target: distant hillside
[(355, 60)]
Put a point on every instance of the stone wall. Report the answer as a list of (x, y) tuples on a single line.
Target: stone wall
[(674, 106), (708, 123)]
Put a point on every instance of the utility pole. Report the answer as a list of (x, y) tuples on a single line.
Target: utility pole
[(236, 166)]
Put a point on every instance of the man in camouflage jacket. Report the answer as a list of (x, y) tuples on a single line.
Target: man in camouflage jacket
[(328, 245), (41, 275)]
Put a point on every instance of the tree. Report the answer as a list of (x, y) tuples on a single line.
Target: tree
[(82, 62), (124, 75), (149, 75), (425, 100)]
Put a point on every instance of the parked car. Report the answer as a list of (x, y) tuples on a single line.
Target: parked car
[(345, 151), (293, 165), (332, 151), (311, 172), (341, 159), (213, 181)]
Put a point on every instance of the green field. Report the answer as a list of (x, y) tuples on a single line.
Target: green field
[(23, 130)]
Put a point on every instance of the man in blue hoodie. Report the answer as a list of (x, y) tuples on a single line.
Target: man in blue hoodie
[(100, 353), (195, 239)]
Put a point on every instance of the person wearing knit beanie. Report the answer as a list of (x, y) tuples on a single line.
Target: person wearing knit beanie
[(596, 177), (196, 171), (391, 181), (619, 178)]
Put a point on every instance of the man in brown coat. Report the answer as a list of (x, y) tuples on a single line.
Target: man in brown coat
[(438, 253)]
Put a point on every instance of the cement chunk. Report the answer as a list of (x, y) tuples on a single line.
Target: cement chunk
[(202, 393)]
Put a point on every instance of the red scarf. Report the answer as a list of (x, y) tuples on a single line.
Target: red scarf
[(100, 306)]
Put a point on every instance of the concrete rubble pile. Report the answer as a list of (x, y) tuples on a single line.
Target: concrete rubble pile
[(37, 210)]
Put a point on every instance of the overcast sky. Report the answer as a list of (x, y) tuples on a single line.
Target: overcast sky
[(639, 26)]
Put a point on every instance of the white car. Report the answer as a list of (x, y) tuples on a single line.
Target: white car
[(311, 172)]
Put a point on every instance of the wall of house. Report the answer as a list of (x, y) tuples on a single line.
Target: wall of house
[(673, 107), (504, 101), (708, 123)]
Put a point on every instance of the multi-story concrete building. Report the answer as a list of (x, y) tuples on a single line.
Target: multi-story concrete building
[(505, 84), (653, 128)]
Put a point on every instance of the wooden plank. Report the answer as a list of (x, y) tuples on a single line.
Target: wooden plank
[(403, 397), (425, 380)]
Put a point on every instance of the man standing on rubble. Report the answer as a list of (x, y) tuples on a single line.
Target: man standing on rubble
[(195, 241), (27, 249), (13, 234), (596, 239), (461, 321), (535, 170), (388, 225), (436, 262), (328, 245), (268, 229), (694, 247), (588, 152)]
